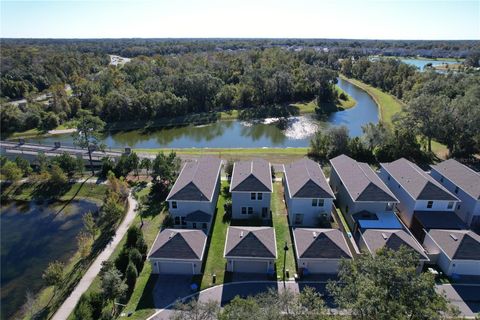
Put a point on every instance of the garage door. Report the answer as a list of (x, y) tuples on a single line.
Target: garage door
[(323, 267), (175, 267), (466, 268), (250, 266)]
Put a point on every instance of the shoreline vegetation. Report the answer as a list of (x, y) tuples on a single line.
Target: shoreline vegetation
[(292, 109)]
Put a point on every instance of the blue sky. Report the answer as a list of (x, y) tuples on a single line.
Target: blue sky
[(385, 19)]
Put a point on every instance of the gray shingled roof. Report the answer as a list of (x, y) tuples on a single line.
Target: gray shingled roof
[(198, 216), (320, 243), (458, 244), (197, 180), (255, 242), (254, 175), (439, 220), (392, 239), (419, 184), (361, 182), (179, 244), (305, 179), (461, 175)]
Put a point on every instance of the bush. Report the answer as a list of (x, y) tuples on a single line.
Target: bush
[(96, 302), (136, 258), (133, 234), (142, 246), (121, 262), (131, 275), (83, 310)]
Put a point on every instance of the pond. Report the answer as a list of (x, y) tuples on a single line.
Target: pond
[(421, 63), (32, 235), (292, 132)]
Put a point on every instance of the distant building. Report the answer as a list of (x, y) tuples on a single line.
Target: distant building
[(465, 184), (308, 196), (251, 188), (358, 188), (193, 198)]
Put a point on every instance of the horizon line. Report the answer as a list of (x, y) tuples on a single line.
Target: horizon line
[(228, 38)]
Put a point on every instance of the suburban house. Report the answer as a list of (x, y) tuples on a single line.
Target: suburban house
[(465, 184), (358, 188), (372, 240), (251, 188), (251, 249), (178, 251), (308, 196), (424, 221), (416, 190), (193, 198), (456, 252), (320, 250)]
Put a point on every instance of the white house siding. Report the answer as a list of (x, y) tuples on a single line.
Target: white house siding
[(165, 266), (186, 207), (432, 248), (310, 213), (250, 265), (465, 267), (469, 208), (242, 199), (327, 266)]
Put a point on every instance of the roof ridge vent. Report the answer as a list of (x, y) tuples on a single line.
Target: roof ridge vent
[(454, 237), (171, 235), (314, 235), (241, 234), (384, 235)]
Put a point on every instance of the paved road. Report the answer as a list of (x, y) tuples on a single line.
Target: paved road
[(69, 304)]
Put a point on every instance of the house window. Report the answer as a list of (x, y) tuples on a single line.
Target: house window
[(204, 226), (298, 218), (259, 196), (429, 204), (244, 210), (314, 202), (177, 220), (456, 189), (450, 205), (321, 202), (194, 225), (250, 210), (174, 204), (252, 196)]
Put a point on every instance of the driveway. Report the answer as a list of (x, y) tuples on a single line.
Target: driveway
[(170, 288), (465, 296)]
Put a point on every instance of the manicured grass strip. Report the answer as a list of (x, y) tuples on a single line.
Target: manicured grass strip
[(282, 231), (226, 151), (388, 104), (215, 262), (342, 218)]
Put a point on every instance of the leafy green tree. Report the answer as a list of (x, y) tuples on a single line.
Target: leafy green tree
[(134, 162), (90, 224), (66, 162), (146, 164), (84, 243), (53, 275), (112, 286), (24, 165), (57, 176), (88, 132), (50, 121), (107, 166), (131, 275), (229, 168), (240, 308), (386, 284), (136, 258), (194, 310), (83, 309), (11, 171)]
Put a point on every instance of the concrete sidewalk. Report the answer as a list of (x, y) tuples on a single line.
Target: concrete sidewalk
[(69, 304)]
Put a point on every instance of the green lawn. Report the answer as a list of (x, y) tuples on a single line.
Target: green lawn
[(215, 262), (309, 107), (343, 221), (274, 155), (388, 104), (282, 231)]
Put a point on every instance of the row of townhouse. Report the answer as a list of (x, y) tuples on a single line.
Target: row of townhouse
[(370, 202)]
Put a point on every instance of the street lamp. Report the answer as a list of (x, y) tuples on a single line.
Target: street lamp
[(285, 248)]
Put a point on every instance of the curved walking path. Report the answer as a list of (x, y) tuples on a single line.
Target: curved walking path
[(69, 304)]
